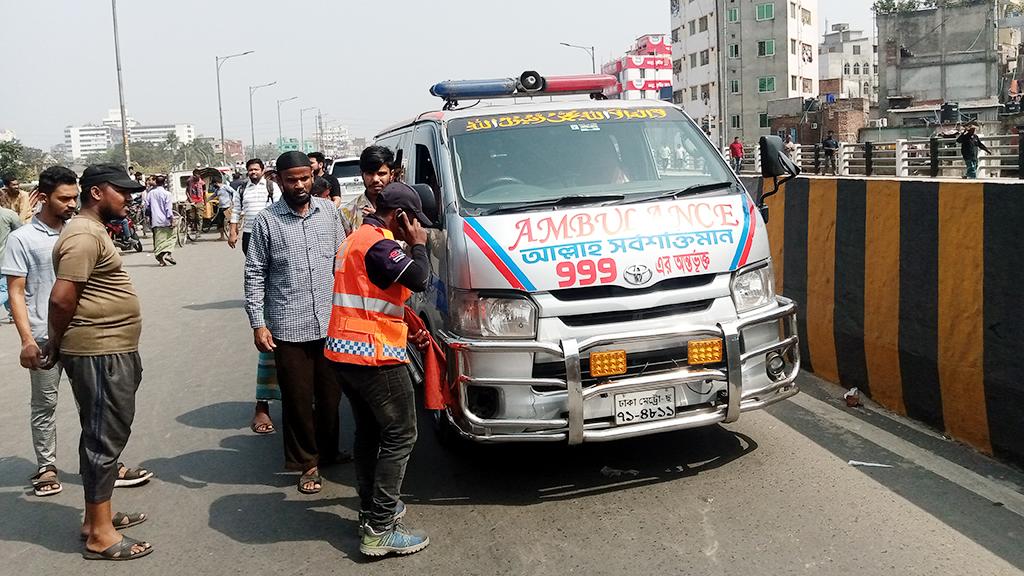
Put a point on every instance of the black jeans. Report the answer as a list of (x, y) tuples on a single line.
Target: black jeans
[(384, 408)]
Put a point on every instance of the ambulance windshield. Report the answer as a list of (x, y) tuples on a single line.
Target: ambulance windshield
[(541, 157)]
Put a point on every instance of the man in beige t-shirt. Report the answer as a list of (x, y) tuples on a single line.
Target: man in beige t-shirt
[(94, 327)]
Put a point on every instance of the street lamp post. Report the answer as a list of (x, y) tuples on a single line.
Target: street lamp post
[(252, 125), (280, 136), (588, 49), (302, 132), (120, 89), (220, 107)]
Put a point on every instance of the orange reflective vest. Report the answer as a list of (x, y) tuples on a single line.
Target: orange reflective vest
[(367, 324)]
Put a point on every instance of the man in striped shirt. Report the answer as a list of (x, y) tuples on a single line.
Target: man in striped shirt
[(250, 200)]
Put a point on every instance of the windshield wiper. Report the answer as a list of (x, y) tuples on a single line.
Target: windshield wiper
[(695, 189), (578, 200)]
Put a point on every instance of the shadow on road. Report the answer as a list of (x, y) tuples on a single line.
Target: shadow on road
[(244, 459), (222, 305), (219, 416), (270, 518), (49, 524)]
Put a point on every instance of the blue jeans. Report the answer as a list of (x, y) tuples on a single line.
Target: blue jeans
[(384, 408), (972, 168), (5, 299), (737, 164)]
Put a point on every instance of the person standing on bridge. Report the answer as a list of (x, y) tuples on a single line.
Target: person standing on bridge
[(289, 271), (95, 321), (970, 143), (367, 341), (831, 147)]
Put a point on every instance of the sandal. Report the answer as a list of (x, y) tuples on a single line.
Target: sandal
[(122, 521), (120, 551), (314, 479), (131, 476), (263, 428), (46, 486)]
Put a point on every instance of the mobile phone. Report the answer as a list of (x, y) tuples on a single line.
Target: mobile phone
[(399, 213)]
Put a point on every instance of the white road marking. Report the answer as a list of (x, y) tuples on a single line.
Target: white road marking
[(985, 487)]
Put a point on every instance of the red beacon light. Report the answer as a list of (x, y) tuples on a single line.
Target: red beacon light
[(528, 84)]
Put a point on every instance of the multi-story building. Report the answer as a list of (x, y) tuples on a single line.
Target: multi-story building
[(83, 141), (157, 134), (731, 57), (644, 72), (850, 57)]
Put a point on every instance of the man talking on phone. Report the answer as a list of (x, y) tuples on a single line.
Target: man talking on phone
[(366, 339)]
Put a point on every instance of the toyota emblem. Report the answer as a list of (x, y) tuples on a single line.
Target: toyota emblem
[(637, 275)]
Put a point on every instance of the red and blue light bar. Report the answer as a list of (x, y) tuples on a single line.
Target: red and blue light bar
[(528, 84)]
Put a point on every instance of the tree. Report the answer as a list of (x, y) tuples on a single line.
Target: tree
[(265, 152), (10, 157)]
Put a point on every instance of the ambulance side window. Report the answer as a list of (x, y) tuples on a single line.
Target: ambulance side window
[(399, 145), (424, 166)]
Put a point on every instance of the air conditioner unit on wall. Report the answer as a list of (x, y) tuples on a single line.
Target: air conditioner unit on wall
[(878, 123)]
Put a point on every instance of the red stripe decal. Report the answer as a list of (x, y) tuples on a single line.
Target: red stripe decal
[(495, 260), (750, 236)]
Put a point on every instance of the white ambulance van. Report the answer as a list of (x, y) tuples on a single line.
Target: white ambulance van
[(584, 288)]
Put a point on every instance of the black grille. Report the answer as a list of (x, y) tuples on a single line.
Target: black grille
[(597, 292), (637, 364), (634, 315)]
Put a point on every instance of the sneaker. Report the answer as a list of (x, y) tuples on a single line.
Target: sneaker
[(364, 516), (394, 539)]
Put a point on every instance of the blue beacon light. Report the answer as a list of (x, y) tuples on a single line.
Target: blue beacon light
[(460, 89)]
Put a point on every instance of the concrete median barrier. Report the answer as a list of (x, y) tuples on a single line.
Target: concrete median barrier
[(912, 291)]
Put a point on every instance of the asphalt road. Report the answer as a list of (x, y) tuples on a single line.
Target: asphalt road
[(771, 494)]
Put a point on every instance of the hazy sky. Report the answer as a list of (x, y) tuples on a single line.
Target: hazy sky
[(365, 64)]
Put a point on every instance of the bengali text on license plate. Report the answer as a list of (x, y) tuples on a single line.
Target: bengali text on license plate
[(634, 407)]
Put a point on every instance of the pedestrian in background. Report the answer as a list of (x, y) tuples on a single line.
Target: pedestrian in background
[(790, 147), (224, 200), (289, 272), (319, 164), (28, 268), (367, 341), (9, 222), (14, 198), (970, 143), (94, 325), (376, 164), (831, 147), (161, 215), (736, 154)]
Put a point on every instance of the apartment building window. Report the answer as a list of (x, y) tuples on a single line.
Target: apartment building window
[(734, 86), (876, 68), (766, 48), (805, 16), (705, 91), (766, 84), (694, 93), (702, 24), (792, 46), (734, 122), (693, 60), (734, 50), (792, 10), (705, 57), (808, 86), (762, 119), (677, 97), (793, 83), (856, 69), (677, 66), (675, 35), (733, 15), (693, 27), (856, 50), (766, 11), (846, 69)]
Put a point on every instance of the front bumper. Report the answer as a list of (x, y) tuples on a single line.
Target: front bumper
[(574, 430)]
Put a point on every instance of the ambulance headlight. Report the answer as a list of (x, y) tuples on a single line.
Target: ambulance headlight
[(753, 287), (473, 315)]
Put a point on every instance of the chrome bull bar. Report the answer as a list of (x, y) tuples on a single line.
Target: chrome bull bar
[(575, 431)]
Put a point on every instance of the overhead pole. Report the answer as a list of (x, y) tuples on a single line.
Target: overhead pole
[(120, 89)]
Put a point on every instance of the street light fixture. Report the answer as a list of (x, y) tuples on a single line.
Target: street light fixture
[(590, 50), (280, 136), (220, 108), (252, 128), (302, 132)]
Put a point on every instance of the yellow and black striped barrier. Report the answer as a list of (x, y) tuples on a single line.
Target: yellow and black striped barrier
[(912, 291)]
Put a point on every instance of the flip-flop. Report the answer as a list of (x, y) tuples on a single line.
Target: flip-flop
[(132, 476), (122, 521), (311, 478), (39, 485), (120, 551)]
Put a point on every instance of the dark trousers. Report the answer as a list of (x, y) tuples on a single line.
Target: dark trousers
[(384, 408), (245, 243), (310, 395), (104, 389)]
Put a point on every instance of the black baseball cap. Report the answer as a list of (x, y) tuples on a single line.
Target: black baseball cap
[(112, 174), (401, 196)]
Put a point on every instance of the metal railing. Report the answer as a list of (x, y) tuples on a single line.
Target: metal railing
[(912, 157)]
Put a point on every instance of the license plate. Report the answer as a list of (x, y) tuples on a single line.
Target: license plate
[(634, 407)]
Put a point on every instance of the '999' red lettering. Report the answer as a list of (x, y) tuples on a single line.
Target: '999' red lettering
[(586, 272)]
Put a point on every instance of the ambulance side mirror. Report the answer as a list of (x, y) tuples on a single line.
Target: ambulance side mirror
[(429, 202), (775, 164)]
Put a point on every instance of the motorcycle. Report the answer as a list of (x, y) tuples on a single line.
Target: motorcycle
[(124, 239)]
